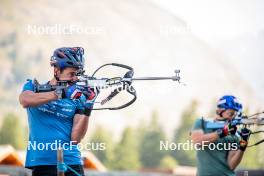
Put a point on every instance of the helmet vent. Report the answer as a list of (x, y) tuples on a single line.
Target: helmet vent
[(61, 54), (70, 63)]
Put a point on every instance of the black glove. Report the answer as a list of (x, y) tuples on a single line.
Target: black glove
[(90, 95), (244, 135)]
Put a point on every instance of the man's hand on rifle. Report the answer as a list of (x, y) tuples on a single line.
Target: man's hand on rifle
[(71, 92), (244, 136), (90, 96), (227, 130)]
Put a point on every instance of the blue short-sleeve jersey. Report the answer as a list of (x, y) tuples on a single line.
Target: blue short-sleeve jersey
[(50, 126)]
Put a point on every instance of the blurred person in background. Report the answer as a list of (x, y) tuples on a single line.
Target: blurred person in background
[(223, 161)]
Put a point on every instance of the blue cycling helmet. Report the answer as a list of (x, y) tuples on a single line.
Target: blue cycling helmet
[(68, 57), (229, 102)]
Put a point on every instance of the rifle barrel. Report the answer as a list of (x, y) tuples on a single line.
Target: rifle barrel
[(174, 78), (252, 121)]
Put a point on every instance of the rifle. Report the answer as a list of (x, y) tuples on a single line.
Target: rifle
[(121, 84), (244, 120)]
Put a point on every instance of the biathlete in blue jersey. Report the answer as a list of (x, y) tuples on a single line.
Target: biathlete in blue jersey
[(57, 118)]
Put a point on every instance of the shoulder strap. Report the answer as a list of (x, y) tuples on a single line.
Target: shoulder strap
[(203, 125)]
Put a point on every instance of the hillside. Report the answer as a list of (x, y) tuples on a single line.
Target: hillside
[(136, 33)]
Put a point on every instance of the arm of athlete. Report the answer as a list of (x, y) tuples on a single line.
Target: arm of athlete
[(81, 121), (234, 158), (29, 98), (80, 127), (199, 137)]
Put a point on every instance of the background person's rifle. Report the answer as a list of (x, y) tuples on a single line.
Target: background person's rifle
[(121, 84), (245, 121)]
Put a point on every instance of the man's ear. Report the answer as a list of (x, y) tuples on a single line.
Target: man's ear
[(56, 71), (219, 111)]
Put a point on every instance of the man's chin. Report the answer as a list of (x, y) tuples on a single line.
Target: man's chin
[(69, 82), (221, 119)]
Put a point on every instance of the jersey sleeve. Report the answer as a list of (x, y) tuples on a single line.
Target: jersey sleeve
[(28, 86), (80, 106)]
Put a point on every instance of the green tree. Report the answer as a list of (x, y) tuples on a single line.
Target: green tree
[(149, 148), (182, 135), (106, 156), (127, 156), (168, 162), (12, 132)]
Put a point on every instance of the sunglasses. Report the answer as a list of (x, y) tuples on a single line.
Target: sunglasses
[(231, 113)]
